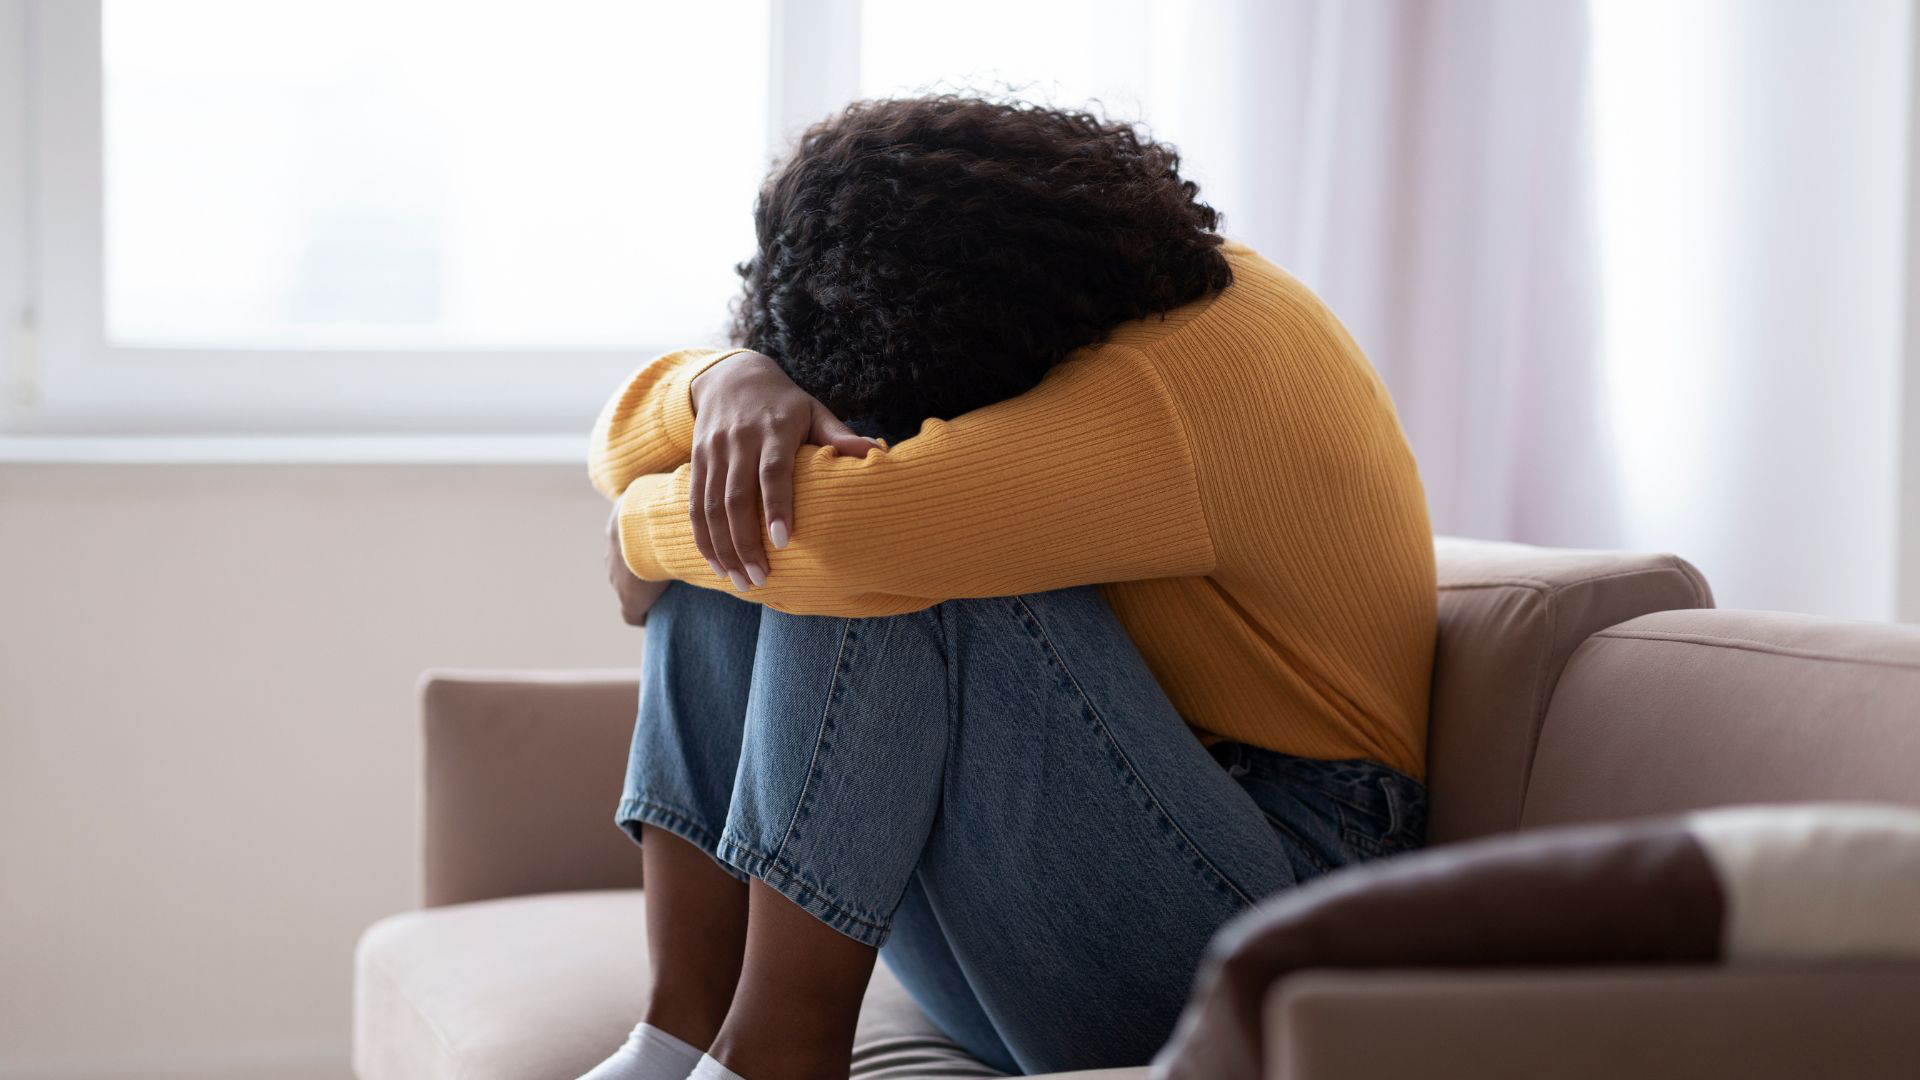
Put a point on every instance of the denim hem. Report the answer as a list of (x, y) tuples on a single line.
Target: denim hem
[(810, 897), (634, 813)]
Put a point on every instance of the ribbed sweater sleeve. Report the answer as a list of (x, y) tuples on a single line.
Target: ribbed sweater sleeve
[(648, 426), (1087, 478)]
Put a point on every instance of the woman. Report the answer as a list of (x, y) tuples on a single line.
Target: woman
[(1134, 631)]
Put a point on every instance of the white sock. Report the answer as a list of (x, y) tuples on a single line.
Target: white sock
[(710, 1069), (649, 1054)]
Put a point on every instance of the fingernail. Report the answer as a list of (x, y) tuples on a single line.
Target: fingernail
[(739, 581), (777, 532), (717, 572), (758, 575)]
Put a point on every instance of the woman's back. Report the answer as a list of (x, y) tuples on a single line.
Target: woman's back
[(1313, 631)]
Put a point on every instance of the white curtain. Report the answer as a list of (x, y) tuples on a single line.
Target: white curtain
[(1753, 194), (1633, 269)]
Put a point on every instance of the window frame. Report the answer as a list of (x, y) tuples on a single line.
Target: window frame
[(64, 376), (16, 255)]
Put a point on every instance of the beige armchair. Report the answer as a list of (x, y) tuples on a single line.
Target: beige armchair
[(1568, 686)]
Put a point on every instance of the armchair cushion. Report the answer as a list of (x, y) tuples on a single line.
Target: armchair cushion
[(542, 987), (523, 773), (1648, 1023), (1509, 617), (1799, 884), (1683, 710)]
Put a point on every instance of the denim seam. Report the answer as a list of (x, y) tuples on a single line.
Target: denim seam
[(781, 876), (819, 736), (948, 625), (1299, 842), (677, 822), (637, 809), (1094, 712)]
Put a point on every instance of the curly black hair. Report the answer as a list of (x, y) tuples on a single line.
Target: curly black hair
[(927, 256)]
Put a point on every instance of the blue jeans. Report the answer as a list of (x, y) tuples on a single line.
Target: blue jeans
[(997, 794)]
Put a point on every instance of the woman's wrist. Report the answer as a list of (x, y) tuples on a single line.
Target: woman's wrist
[(708, 382), (750, 421)]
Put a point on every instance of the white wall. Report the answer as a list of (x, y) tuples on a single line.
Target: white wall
[(207, 735)]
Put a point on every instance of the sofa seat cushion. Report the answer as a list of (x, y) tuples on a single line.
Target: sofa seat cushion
[(543, 987)]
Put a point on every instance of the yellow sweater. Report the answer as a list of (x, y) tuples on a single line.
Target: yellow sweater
[(1234, 474)]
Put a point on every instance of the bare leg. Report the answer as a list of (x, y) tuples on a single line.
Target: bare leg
[(699, 655), (799, 994), (770, 988), (696, 937)]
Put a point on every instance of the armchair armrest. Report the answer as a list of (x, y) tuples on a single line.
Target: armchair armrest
[(522, 777), (1650, 1023)]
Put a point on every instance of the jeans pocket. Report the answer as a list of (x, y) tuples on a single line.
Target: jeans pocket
[(1331, 812), (1375, 810)]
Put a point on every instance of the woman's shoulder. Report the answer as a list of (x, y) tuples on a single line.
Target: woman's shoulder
[(1263, 306), (1263, 344)]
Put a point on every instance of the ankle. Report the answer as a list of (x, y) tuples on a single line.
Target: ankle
[(692, 1018), (793, 1055), (787, 1034)]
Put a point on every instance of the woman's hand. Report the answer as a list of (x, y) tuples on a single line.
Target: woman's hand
[(749, 422), (636, 593)]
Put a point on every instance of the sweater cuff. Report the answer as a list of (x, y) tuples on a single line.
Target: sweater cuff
[(676, 404), (648, 426), (643, 499)]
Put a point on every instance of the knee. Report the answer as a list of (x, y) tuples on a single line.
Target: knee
[(684, 608), (838, 641), (681, 597), (699, 638), (1073, 611)]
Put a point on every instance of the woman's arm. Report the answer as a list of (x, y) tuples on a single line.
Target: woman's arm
[(1087, 478), (648, 426), (749, 427), (636, 595)]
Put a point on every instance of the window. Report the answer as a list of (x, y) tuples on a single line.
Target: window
[(408, 216), (319, 216), (468, 176)]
